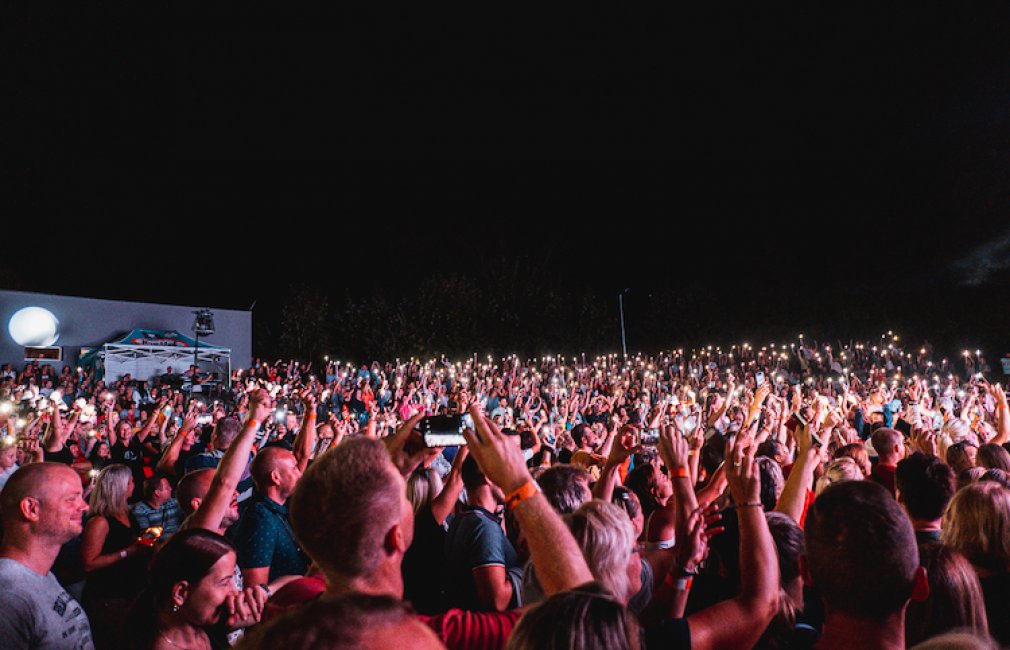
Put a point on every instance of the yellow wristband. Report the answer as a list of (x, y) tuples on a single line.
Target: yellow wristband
[(520, 494)]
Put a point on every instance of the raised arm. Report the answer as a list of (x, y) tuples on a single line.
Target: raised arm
[(152, 420), (228, 473), (755, 406), (166, 464), (305, 441), (801, 478), (623, 448), (1002, 416), (443, 504), (740, 622), (111, 419), (556, 556)]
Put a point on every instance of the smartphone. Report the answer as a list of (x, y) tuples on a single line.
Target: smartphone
[(759, 378), (648, 437), (444, 430), (204, 419), (802, 421)]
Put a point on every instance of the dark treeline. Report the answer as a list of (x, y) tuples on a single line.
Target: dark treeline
[(511, 307)]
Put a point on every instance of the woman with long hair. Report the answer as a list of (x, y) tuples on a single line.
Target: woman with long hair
[(191, 599), (977, 524), (112, 555), (433, 503), (955, 599)]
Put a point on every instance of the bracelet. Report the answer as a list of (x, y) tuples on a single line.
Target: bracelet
[(122, 554), (265, 587), (681, 472), (520, 494), (252, 422), (680, 584), (752, 504)]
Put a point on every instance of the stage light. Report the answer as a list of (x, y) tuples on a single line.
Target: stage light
[(34, 327)]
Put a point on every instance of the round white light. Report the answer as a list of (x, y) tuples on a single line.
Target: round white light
[(34, 326)]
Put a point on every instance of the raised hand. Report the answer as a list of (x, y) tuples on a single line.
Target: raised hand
[(395, 445), (308, 399), (624, 446), (692, 544), (673, 448), (500, 459), (742, 473), (261, 405)]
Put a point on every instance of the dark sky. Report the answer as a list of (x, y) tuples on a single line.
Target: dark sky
[(724, 149)]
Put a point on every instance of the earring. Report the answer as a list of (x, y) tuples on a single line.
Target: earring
[(175, 608)]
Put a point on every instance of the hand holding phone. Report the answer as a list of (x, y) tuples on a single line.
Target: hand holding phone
[(444, 430)]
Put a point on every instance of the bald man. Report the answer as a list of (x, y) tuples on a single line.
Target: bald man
[(43, 509), (191, 492), (266, 545)]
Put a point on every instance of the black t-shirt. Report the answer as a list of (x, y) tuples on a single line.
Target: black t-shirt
[(423, 565), (996, 592), (671, 634), (131, 455), (62, 456)]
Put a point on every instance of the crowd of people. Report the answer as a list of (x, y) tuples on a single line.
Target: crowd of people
[(797, 495)]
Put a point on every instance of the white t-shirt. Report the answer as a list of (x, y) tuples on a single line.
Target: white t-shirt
[(38, 613), (6, 474)]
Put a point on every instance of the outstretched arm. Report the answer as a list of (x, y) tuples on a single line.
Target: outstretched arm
[(443, 504), (801, 478), (556, 555), (740, 622), (623, 448), (1002, 416), (166, 464), (228, 473), (305, 441)]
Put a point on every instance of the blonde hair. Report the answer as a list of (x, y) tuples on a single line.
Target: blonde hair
[(109, 498), (423, 486), (977, 523), (840, 469), (954, 431), (606, 537)]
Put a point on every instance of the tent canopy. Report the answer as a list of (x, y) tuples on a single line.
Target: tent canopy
[(144, 353)]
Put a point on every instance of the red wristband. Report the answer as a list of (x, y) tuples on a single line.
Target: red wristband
[(679, 584), (681, 472)]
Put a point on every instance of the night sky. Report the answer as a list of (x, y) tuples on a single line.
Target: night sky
[(804, 163)]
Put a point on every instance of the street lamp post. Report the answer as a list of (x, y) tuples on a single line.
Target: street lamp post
[(624, 340)]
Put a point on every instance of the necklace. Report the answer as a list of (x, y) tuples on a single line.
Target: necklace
[(170, 641)]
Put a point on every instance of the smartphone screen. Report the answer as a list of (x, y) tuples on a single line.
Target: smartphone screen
[(759, 378), (444, 430), (648, 437)]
